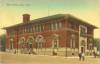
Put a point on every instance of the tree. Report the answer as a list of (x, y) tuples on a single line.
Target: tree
[(97, 43), (3, 42)]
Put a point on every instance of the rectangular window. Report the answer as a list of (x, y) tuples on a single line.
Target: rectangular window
[(33, 28), (55, 26), (39, 28), (36, 28), (72, 43), (83, 31), (49, 26), (42, 28), (30, 29), (60, 25), (52, 27), (25, 30)]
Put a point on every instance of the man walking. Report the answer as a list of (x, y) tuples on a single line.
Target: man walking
[(83, 56), (80, 56)]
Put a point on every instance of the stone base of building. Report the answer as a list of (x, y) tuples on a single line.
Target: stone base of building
[(50, 51)]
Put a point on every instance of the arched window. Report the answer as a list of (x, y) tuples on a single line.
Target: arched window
[(39, 41), (55, 41), (30, 42), (21, 42)]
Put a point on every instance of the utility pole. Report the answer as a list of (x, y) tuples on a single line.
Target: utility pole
[(66, 48)]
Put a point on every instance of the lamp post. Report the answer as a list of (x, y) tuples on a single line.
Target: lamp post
[(11, 44), (66, 48)]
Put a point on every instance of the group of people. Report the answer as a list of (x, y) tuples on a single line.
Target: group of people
[(82, 55)]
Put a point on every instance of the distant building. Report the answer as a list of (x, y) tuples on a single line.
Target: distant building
[(61, 34)]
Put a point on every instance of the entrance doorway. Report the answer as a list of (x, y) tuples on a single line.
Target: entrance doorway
[(30, 42), (83, 46), (22, 45), (83, 49), (55, 43)]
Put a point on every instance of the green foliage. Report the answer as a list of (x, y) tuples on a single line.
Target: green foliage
[(97, 43), (3, 42)]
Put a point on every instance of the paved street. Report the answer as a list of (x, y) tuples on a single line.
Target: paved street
[(7, 58)]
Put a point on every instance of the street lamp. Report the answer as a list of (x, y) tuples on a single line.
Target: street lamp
[(11, 40)]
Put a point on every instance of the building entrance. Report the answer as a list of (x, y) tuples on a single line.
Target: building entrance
[(83, 49)]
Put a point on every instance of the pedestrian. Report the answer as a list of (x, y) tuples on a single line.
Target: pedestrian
[(94, 53), (83, 56), (15, 51), (80, 56), (98, 53)]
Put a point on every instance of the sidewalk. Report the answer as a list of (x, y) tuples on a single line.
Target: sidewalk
[(43, 55), (8, 58)]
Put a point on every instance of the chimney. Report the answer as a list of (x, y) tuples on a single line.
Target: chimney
[(26, 18)]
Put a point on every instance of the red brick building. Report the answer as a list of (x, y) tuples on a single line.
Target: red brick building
[(61, 34)]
